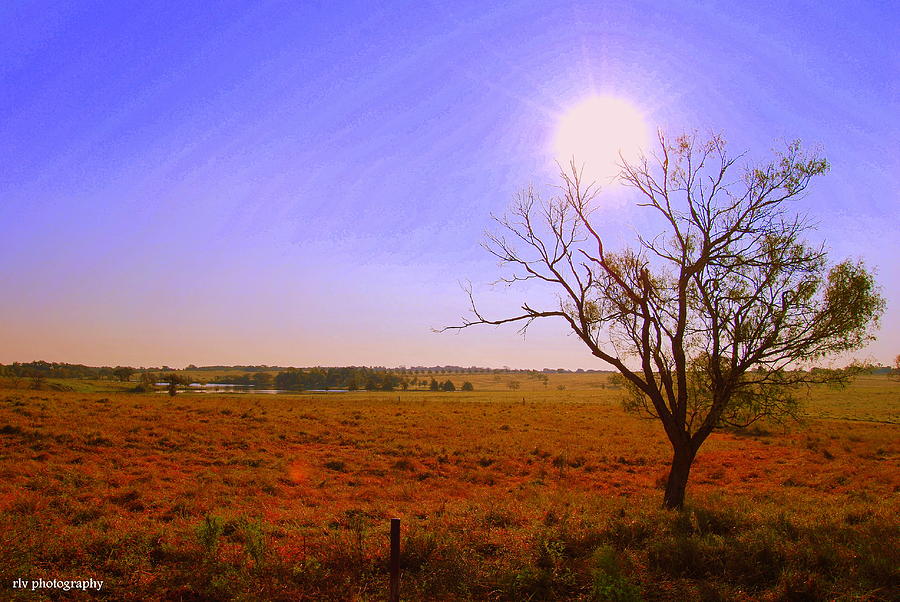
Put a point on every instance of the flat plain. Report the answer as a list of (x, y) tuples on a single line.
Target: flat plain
[(545, 491)]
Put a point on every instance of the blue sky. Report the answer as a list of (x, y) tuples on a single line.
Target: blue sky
[(306, 183)]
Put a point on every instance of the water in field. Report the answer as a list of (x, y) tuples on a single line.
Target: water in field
[(215, 388), (225, 388)]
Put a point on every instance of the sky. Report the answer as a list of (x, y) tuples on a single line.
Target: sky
[(308, 183)]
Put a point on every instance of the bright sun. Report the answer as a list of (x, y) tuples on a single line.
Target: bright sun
[(595, 132)]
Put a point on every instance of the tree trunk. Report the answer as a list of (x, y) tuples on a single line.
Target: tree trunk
[(682, 460)]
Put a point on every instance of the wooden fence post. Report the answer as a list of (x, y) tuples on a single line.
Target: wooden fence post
[(395, 560)]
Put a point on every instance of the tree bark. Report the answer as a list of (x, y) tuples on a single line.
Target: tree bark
[(682, 460)]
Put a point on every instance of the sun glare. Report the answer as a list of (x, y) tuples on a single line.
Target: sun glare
[(595, 132)]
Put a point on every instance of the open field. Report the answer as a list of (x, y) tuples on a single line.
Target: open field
[(533, 493)]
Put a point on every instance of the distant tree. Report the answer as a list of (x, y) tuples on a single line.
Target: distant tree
[(38, 381), (896, 372), (146, 382), (448, 386), (434, 385), (467, 386), (705, 318), (173, 381), (262, 380), (123, 373), (513, 384)]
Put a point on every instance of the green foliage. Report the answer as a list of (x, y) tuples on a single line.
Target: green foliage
[(852, 307), (209, 532), (123, 373), (609, 582), (548, 577), (146, 383), (254, 540), (61, 370), (352, 378), (173, 380)]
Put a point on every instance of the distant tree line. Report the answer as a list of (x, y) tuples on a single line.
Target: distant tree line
[(260, 368), (255, 379), (62, 370), (351, 378), (480, 370), (297, 379)]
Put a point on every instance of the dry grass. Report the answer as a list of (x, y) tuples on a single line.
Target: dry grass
[(535, 493)]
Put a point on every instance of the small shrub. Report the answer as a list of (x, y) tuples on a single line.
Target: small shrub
[(336, 465), (623, 532), (608, 582), (498, 517), (309, 571), (130, 500), (705, 521), (94, 439), (801, 586), (254, 539), (404, 464), (442, 568), (577, 462), (678, 556), (756, 559), (209, 532), (549, 578)]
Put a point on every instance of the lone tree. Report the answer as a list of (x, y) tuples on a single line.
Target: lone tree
[(173, 381), (708, 320)]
